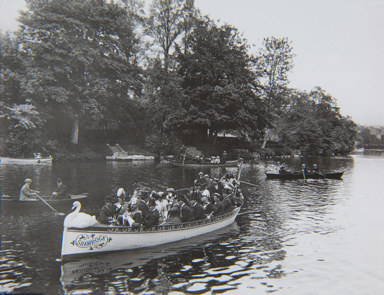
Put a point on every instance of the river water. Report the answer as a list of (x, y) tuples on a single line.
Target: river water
[(313, 237)]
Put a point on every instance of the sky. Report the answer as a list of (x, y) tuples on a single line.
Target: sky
[(339, 44)]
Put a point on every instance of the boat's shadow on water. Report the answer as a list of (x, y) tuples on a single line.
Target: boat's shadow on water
[(83, 270)]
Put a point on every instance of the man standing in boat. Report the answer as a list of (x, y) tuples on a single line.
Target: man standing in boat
[(26, 192)]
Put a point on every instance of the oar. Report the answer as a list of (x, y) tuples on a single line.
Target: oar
[(247, 212), (56, 212), (249, 183)]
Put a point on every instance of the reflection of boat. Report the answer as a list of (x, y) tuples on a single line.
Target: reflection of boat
[(233, 163), (101, 264), (13, 205), (106, 238), (5, 160), (299, 175)]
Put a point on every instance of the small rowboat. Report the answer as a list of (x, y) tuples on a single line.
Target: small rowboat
[(299, 175), (233, 163), (12, 204), (108, 238), (27, 161)]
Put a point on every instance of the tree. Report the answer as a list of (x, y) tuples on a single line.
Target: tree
[(81, 60), (314, 125), (218, 83), (273, 63), (168, 20)]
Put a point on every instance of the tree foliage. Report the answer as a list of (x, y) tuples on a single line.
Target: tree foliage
[(81, 59), (218, 83)]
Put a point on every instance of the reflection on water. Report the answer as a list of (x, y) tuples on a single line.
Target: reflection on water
[(300, 234)]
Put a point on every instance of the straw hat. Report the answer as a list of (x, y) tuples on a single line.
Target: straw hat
[(28, 180)]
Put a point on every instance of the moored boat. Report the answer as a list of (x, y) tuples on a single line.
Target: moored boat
[(6, 160), (233, 163), (300, 175), (108, 238), (12, 204)]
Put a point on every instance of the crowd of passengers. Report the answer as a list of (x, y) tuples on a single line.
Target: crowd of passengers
[(207, 198)]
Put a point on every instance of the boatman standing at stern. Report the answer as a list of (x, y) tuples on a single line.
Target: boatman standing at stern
[(26, 193)]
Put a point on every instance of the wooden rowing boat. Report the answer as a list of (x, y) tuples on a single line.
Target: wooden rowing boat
[(27, 161), (12, 204), (108, 238), (233, 163), (299, 175)]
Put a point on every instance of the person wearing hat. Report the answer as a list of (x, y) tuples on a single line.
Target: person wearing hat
[(62, 190), (283, 169), (108, 211), (26, 193), (200, 181)]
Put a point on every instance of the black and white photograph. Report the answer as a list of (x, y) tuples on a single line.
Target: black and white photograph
[(192, 147)]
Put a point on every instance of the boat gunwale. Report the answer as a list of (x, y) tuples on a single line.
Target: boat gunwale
[(122, 229)]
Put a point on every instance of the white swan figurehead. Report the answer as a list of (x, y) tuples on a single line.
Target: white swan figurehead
[(77, 219)]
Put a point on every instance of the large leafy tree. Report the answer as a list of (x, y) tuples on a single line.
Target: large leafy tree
[(21, 132), (314, 125), (81, 61), (274, 61), (218, 83), (168, 21)]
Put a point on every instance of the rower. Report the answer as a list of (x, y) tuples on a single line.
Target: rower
[(26, 193)]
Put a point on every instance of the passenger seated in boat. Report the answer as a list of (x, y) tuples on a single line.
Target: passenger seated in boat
[(107, 212), (173, 215), (315, 169), (228, 203), (36, 155), (162, 206), (208, 182), (200, 182), (153, 216), (62, 190), (218, 207), (186, 213), (133, 199), (283, 169), (208, 207), (238, 198), (137, 216), (26, 193), (142, 206), (197, 210)]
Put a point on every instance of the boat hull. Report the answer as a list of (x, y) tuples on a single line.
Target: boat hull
[(12, 205), (33, 161), (104, 238), (293, 176), (206, 165)]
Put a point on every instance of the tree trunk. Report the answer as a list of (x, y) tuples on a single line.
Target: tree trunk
[(75, 131)]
